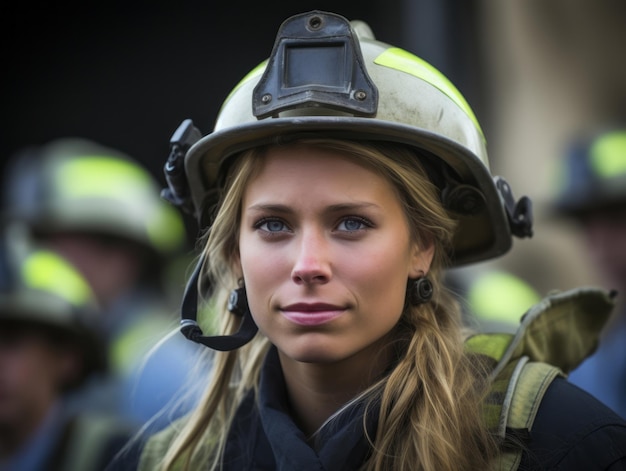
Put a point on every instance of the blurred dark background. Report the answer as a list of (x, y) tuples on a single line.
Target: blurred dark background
[(127, 73)]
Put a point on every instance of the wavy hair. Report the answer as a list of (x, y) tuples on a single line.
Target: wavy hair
[(430, 404)]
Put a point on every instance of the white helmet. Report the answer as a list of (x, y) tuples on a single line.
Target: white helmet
[(73, 184), (329, 76)]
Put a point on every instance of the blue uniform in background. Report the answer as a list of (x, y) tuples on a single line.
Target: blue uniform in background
[(604, 373)]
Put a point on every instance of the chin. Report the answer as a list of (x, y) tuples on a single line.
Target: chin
[(308, 350), (318, 358), (312, 355)]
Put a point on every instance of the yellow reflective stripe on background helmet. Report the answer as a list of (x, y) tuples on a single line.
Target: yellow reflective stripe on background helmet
[(100, 177), (501, 296), (608, 155), (165, 229), (126, 184), (404, 61), (48, 272)]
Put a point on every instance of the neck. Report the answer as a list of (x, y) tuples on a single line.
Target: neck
[(316, 391)]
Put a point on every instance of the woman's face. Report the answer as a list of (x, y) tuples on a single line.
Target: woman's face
[(325, 253)]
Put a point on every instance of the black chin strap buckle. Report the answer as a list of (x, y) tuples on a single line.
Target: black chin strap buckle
[(189, 324), (191, 330)]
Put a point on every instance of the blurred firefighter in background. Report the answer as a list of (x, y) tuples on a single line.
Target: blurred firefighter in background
[(50, 345), (102, 211), (592, 193), (493, 299)]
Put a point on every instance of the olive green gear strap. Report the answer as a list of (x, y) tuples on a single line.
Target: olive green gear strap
[(512, 419), (554, 337)]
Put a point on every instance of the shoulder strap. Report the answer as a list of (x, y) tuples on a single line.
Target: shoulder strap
[(563, 329), (516, 408)]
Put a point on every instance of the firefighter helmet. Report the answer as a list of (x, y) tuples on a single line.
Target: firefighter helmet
[(40, 289), (592, 173), (327, 75), (78, 185)]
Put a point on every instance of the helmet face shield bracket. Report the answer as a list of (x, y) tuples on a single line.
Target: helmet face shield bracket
[(316, 61), (177, 191), (519, 214)]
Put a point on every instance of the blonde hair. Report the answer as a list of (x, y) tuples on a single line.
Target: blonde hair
[(431, 401)]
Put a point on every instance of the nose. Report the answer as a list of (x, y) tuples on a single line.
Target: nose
[(312, 264)]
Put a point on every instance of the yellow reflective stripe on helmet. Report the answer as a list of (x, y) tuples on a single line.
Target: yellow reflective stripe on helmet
[(99, 176), (608, 155), (399, 59), (48, 272), (258, 70)]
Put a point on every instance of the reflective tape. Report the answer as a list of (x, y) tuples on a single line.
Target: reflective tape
[(124, 189), (165, 230), (102, 177), (608, 155), (399, 59), (501, 296), (258, 70), (48, 272)]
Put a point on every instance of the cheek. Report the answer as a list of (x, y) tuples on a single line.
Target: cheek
[(260, 267), (387, 293), (263, 272), (381, 278)]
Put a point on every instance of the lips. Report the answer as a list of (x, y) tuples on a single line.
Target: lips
[(312, 314)]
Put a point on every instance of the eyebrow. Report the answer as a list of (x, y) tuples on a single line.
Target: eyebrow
[(333, 208)]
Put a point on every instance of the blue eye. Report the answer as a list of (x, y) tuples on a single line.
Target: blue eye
[(274, 226), (271, 225), (353, 224)]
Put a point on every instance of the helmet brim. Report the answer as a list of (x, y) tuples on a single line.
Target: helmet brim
[(482, 236)]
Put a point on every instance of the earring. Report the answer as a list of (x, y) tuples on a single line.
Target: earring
[(419, 291), (238, 302)]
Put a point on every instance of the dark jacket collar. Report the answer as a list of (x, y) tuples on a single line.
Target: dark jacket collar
[(264, 436)]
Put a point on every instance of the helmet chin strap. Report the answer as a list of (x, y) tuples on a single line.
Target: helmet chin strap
[(189, 325)]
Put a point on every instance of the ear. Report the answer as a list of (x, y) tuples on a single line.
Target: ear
[(421, 259)]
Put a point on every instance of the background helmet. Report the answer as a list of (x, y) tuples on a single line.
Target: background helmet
[(329, 76), (79, 186), (592, 174), (493, 300), (40, 290)]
